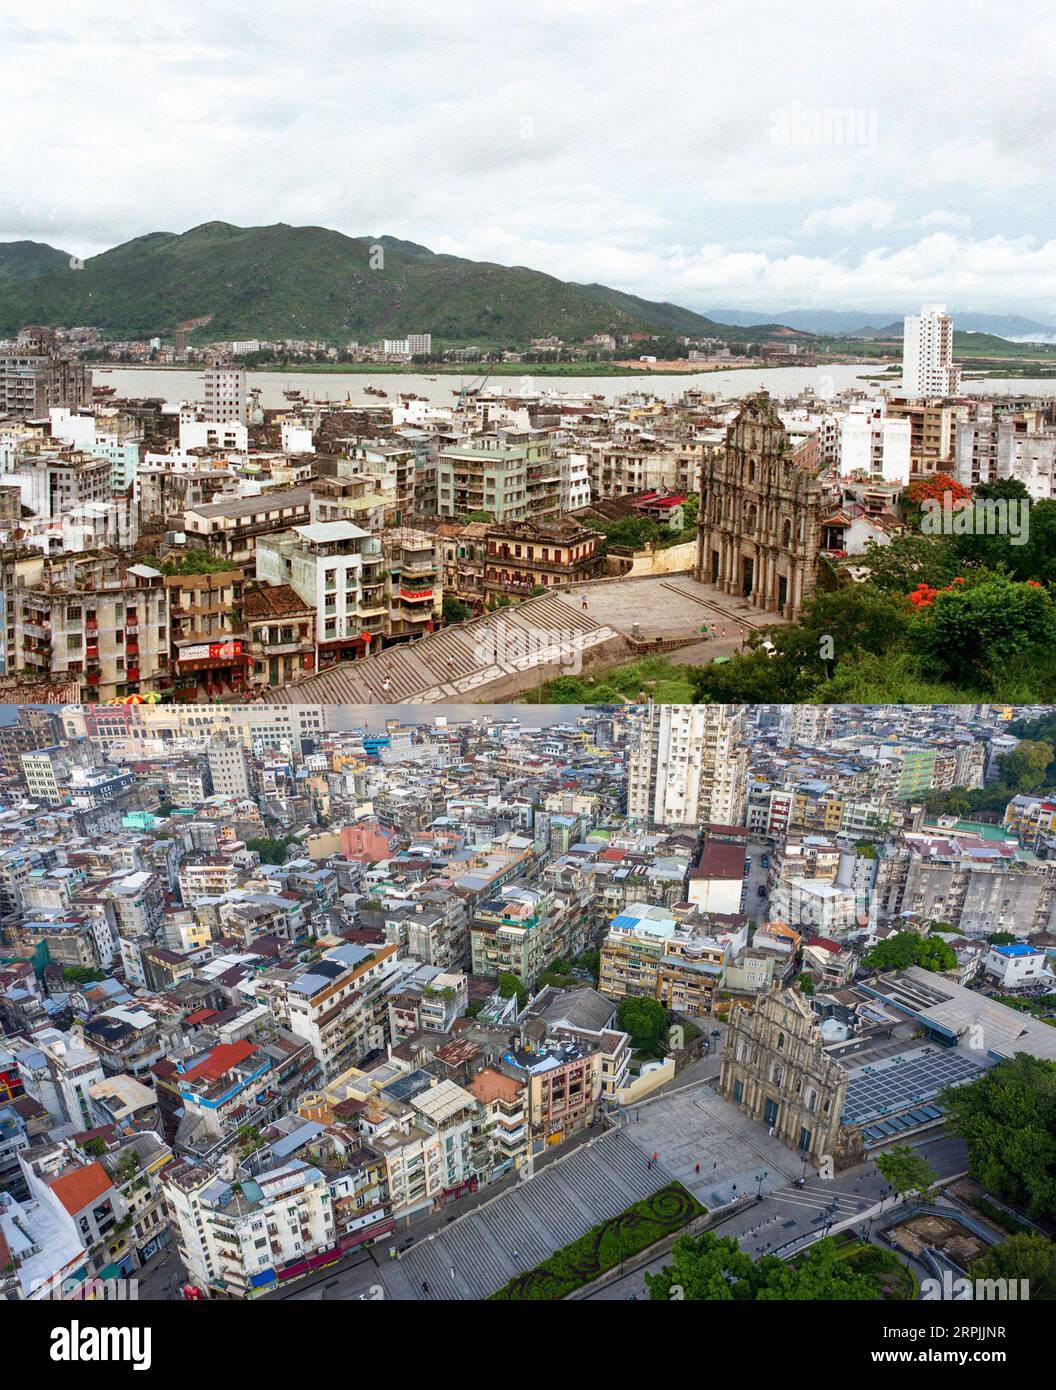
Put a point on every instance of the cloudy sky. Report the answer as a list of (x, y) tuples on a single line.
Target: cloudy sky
[(754, 154)]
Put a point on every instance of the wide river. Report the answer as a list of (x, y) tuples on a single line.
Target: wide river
[(782, 382)]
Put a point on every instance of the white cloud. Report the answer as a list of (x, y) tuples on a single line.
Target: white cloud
[(867, 214), (600, 140), (959, 221)]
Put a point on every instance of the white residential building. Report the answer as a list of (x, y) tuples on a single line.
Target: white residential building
[(1016, 965), (575, 481), (688, 766), (872, 444), (225, 394), (237, 1238), (927, 353)]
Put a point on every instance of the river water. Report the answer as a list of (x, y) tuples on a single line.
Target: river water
[(781, 382)]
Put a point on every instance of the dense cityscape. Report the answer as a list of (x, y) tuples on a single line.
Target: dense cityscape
[(536, 543), (301, 1005), (527, 676)]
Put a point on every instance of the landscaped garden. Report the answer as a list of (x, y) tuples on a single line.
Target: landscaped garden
[(605, 1246)]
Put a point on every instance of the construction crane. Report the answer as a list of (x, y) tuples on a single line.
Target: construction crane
[(468, 391)]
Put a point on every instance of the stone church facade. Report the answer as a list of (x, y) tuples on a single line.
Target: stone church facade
[(777, 1070), (759, 523)]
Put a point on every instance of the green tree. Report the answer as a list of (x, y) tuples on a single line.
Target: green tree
[(455, 611), (1008, 1120), (906, 1171), (1002, 938), (1027, 764), (644, 1019), (509, 985), (935, 954), (806, 983), (270, 851), (82, 974), (190, 561), (1030, 1257), (713, 1268), (907, 948), (896, 952), (749, 678), (980, 633), (909, 560)]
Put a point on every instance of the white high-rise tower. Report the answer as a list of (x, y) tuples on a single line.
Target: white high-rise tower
[(225, 394), (689, 766), (927, 353)]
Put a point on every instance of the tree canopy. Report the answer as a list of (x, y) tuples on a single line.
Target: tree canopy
[(908, 948), (906, 1170), (1008, 1120), (1025, 1256), (713, 1268), (644, 1019)]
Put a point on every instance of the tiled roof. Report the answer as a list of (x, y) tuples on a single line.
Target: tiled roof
[(221, 1059), (77, 1188)]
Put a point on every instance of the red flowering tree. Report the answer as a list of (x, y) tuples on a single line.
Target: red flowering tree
[(936, 487)]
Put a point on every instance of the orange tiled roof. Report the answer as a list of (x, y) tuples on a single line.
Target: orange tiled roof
[(222, 1057), (79, 1187)]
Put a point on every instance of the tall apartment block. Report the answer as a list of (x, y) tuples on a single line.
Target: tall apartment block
[(689, 766), (927, 353)]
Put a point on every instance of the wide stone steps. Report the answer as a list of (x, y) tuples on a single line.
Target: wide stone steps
[(524, 1226), (450, 660)]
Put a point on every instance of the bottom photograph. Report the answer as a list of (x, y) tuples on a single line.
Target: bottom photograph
[(641, 1003)]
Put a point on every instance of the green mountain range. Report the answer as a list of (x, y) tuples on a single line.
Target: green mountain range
[(226, 282), (21, 260)]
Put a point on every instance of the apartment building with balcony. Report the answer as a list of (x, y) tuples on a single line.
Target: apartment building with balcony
[(76, 1207), (508, 935), (511, 475), (390, 467), (526, 555), (337, 1003), (58, 1070), (240, 1238), (500, 1141), (563, 1081), (621, 468), (34, 377), (648, 953), (207, 632), (339, 569), (230, 529), (55, 481), (280, 636), (415, 590), (207, 877), (931, 433), (98, 622)]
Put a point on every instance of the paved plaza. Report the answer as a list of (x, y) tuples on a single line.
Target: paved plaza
[(692, 1126)]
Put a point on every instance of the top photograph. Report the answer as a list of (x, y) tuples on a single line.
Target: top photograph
[(427, 364)]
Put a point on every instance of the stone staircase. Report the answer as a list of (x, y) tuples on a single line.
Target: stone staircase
[(522, 1227)]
